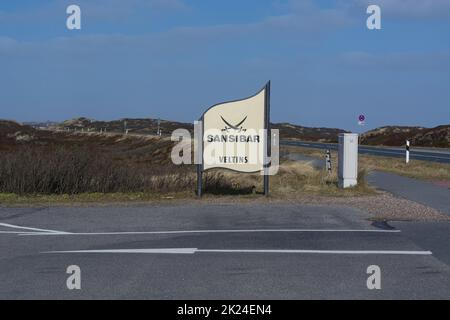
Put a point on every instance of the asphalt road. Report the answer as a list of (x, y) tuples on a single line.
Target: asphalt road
[(441, 156), (204, 251), (423, 192)]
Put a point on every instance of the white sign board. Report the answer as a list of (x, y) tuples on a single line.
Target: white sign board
[(235, 134)]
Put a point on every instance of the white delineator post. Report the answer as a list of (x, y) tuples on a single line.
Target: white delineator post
[(408, 144), (348, 160), (328, 161)]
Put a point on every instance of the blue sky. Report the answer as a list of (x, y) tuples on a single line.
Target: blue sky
[(174, 58)]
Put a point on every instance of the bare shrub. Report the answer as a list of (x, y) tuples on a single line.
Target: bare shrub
[(63, 170)]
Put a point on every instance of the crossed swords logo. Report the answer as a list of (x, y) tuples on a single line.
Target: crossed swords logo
[(238, 127)]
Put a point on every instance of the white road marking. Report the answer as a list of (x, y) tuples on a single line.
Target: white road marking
[(166, 251), (32, 229), (11, 232), (203, 231), (376, 252), (195, 250)]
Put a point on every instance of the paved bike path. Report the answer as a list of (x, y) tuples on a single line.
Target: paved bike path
[(423, 192)]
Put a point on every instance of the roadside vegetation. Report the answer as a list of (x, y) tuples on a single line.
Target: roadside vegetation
[(75, 170), (293, 178), (424, 170), (114, 168)]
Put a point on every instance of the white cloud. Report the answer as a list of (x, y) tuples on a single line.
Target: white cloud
[(93, 9), (120, 8)]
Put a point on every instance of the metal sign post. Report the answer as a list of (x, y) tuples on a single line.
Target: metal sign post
[(198, 126), (199, 181), (267, 151)]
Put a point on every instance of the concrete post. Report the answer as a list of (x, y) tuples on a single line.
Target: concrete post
[(348, 160)]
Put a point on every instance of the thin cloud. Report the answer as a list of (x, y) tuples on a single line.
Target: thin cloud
[(306, 19), (93, 9), (112, 9), (406, 61)]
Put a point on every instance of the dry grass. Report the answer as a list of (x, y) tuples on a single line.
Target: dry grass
[(417, 169), (153, 185), (92, 167), (293, 177), (12, 199)]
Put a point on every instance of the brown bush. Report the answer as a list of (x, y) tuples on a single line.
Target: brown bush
[(63, 170)]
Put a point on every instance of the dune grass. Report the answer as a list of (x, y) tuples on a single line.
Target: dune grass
[(292, 179), (296, 177), (86, 169), (423, 170)]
